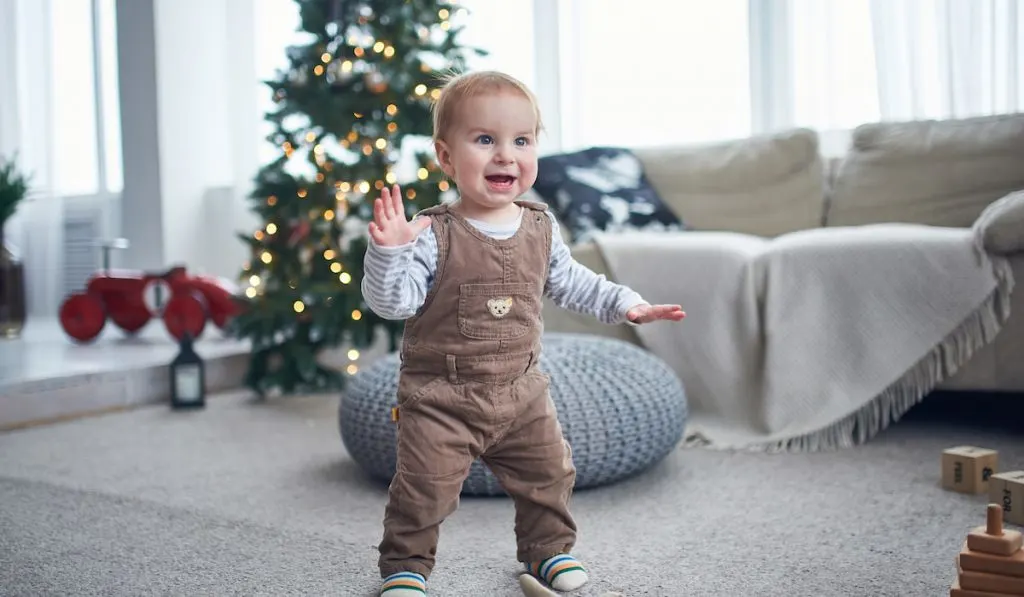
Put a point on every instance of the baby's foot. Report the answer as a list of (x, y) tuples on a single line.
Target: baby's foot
[(562, 572), (404, 584), (532, 588)]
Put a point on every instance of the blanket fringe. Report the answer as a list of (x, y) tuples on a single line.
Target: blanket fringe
[(942, 362)]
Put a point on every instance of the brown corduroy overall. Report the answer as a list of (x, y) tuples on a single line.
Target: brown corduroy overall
[(470, 387)]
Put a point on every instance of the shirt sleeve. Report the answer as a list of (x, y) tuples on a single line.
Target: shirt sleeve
[(575, 287), (396, 279)]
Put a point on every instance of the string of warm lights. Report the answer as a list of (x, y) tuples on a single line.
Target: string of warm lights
[(363, 56)]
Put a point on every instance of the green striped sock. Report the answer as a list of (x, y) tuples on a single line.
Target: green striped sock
[(404, 584), (561, 572)]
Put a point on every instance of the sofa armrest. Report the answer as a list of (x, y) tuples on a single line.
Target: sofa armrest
[(1000, 227)]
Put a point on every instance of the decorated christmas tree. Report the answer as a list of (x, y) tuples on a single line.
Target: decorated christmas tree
[(352, 113)]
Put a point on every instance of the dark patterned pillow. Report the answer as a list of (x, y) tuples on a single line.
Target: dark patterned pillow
[(602, 189)]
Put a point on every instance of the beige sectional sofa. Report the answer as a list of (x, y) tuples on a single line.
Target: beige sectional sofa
[(940, 173)]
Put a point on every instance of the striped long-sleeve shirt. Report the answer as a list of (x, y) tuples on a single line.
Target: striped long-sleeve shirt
[(396, 279)]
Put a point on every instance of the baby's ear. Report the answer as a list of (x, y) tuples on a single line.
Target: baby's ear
[(444, 157)]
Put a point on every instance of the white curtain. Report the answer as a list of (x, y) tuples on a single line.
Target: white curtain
[(27, 131), (684, 75), (841, 63), (700, 71), (26, 112), (505, 30), (833, 73), (948, 58), (61, 118)]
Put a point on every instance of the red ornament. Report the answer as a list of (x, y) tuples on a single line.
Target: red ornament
[(131, 299)]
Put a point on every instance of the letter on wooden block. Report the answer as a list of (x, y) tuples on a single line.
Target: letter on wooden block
[(1007, 490), (967, 469)]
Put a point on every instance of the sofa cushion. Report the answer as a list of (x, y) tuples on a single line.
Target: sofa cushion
[(601, 189), (765, 185), (1001, 225), (942, 173)]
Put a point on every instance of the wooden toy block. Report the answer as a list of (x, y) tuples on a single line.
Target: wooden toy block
[(1007, 490), (992, 583), (967, 469), (979, 561), (993, 538), (958, 591)]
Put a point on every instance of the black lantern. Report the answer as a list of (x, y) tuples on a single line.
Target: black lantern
[(188, 377)]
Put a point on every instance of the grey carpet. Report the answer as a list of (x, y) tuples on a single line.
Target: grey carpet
[(250, 498)]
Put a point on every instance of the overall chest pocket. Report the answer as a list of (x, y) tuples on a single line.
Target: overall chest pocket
[(497, 311)]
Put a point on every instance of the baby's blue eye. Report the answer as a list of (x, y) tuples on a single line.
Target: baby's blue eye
[(522, 141), (484, 139)]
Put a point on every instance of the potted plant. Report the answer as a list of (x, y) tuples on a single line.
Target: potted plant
[(13, 190)]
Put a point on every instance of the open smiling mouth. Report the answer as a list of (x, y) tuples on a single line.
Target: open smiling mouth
[(500, 182)]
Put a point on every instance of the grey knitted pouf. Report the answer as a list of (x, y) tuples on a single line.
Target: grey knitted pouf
[(621, 408)]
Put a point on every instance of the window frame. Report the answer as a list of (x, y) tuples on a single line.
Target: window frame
[(103, 194)]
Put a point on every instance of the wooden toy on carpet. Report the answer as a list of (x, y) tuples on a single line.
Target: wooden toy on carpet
[(1007, 490), (967, 469), (993, 538), (991, 561)]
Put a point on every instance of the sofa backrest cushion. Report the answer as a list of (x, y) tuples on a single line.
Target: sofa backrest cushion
[(766, 185), (941, 173)]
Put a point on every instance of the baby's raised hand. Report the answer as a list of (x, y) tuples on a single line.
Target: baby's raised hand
[(389, 227), (649, 313)]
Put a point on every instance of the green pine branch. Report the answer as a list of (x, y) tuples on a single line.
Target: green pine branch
[(13, 189), (345, 111)]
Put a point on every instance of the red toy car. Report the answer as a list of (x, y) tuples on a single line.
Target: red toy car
[(131, 298)]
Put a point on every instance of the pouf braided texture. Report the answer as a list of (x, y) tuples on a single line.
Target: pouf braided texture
[(622, 410)]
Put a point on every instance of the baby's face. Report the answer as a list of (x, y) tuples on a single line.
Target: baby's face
[(491, 151)]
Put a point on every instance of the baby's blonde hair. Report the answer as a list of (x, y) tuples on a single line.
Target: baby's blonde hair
[(458, 87)]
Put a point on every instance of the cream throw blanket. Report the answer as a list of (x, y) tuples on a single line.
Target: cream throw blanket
[(815, 339)]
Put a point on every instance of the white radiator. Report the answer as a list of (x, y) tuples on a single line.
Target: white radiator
[(81, 254)]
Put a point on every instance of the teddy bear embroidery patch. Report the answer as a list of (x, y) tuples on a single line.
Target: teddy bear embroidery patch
[(499, 307)]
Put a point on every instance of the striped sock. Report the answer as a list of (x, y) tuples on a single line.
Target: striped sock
[(404, 584), (562, 572)]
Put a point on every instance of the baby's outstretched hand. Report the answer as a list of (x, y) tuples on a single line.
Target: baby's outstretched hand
[(389, 227), (649, 313)]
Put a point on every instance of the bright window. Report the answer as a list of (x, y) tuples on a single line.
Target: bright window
[(76, 164), (81, 108), (834, 76), (277, 24), (109, 85), (682, 77), (505, 30)]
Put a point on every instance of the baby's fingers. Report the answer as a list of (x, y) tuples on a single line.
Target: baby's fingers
[(389, 204), (376, 233), (673, 312), (396, 200)]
